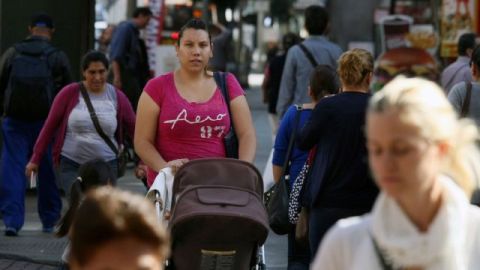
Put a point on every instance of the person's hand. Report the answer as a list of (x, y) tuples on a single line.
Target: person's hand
[(31, 167), (141, 171), (117, 82), (176, 164)]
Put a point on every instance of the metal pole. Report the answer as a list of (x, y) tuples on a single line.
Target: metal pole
[(393, 4)]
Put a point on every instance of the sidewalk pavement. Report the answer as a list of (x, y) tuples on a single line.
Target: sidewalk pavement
[(33, 249)]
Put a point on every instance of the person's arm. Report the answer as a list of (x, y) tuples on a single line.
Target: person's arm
[(117, 77), (243, 124), (128, 114), (277, 172), (282, 139), (288, 83), (241, 118), (266, 84), (118, 50), (146, 129)]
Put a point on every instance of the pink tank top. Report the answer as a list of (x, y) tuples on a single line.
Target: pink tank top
[(189, 129)]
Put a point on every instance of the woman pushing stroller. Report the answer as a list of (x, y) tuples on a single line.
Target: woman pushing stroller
[(182, 114)]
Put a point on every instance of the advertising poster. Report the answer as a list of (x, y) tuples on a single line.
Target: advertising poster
[(394, 30), (457, 17), (154, 30)]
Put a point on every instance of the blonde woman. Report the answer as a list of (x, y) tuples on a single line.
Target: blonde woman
[(421, 156), (339, 185)]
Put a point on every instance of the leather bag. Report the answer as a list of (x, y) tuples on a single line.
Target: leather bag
[(277, 207)]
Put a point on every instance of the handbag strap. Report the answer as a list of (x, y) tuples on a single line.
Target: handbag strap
[(286, 163), (455, 74), (466, 102), (94, 118), (386, 265), (308, 54), (221, 80)]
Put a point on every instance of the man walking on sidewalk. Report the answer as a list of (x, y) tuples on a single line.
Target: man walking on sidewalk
[(130, 68), (298, 66), (459, 71), (31, 74)]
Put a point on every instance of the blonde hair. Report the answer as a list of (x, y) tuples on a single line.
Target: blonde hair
[(354, 65), (109, 214), (423, 104)]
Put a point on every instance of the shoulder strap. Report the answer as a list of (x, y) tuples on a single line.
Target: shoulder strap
[(308, 54), (383, 262), (221, 80), (94, 118), (286, 163), (466, 102), (455, 74)]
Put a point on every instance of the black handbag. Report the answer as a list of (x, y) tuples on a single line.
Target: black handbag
[(230, 140), (120, 153), (277, 207)]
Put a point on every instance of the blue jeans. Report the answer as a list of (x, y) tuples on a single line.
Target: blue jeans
[(19, 138), (68, 173)]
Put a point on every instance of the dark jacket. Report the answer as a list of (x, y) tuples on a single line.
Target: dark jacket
[(340, 175), (58, 61)]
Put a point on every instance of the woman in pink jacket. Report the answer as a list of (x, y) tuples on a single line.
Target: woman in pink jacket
[(70, 125)]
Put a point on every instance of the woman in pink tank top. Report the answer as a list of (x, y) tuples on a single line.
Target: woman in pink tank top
[(183, 115)]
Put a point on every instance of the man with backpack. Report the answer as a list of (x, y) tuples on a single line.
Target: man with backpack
[(304, 57), (31, 74)]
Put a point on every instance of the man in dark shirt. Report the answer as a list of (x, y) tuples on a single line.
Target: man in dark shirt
[(130, 69), (222, 49), (20, 130)]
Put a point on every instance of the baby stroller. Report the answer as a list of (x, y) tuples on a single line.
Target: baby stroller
[(218, 219)]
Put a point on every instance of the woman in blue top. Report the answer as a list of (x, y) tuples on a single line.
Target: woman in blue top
[(322, 83)]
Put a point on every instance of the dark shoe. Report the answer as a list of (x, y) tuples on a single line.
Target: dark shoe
[(9, 231)]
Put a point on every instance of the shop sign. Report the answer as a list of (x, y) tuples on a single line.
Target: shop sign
[(457, 18)]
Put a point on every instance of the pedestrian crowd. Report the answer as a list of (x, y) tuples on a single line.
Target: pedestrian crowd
[(379, 180)]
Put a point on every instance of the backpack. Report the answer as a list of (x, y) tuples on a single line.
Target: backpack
[(30, 89)]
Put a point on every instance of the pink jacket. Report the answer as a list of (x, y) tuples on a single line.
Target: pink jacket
[(56, 124)]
